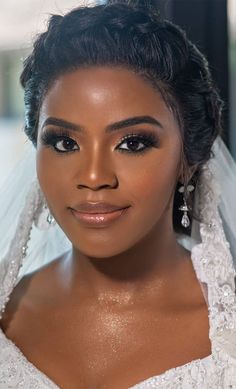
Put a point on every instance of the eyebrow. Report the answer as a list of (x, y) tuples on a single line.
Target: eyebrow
[(110, 128)]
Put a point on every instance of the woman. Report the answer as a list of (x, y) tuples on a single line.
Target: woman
[(123, 115)]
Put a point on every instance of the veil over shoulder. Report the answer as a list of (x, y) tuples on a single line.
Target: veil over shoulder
[(23, 247), (212, 244)]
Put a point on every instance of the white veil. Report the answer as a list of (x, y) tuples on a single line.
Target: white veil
[(20, 197), (223, 168), (19, 200)]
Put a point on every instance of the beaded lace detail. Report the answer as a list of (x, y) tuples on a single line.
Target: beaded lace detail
[(214, 267), (10, 265)]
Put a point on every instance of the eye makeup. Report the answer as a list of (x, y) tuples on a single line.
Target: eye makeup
[(50, 138), (148, 139)]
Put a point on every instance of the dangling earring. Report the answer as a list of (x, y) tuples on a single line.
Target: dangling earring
[(185, 219), (44, 219), (50, 219)]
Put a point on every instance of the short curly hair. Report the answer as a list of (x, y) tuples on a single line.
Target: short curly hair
[(133, 36)]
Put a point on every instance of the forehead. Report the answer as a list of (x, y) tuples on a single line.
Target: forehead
[(103, 94)]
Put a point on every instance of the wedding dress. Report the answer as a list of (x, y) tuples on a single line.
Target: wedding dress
[(212, 257)]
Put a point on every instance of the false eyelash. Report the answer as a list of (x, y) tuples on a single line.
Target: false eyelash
[(147, 138), (51, 137)]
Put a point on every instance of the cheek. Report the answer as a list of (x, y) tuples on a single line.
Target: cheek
[(151, 185), (51, 178)]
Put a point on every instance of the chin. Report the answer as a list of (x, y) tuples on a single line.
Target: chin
[(99, 251)]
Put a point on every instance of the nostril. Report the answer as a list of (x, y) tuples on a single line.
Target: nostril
[(112, 185), (96, 187)]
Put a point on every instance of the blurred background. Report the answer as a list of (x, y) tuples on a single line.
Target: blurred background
[(210, 24)]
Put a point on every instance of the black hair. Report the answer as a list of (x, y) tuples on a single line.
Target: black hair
[(130, 34)]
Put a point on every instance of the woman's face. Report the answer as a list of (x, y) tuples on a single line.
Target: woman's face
[(105, 135)]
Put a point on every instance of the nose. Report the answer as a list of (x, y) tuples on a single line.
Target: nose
[(96, 172)]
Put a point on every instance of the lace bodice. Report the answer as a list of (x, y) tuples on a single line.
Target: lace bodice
[(214, 269)]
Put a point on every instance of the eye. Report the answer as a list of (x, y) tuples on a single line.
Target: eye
[(61, 142), (65, 144), (137, 143)]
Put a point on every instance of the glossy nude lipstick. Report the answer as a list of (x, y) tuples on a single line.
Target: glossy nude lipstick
[(98, 213)]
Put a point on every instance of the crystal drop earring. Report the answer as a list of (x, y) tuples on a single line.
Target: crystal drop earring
[(50, 219), (184, 207), (44, 219)]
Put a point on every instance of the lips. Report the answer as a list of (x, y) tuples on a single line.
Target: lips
[(98, 214), (100, 207)]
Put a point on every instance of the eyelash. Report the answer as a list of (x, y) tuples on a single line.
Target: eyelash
[(50, 138)]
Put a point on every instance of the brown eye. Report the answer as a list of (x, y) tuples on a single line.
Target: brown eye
[(134, 143), (66, 144), (61, 142)]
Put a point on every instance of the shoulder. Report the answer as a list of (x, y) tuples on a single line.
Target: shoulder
[(33, 288)]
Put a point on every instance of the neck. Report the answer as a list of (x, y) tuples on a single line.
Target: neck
[(144, 267)]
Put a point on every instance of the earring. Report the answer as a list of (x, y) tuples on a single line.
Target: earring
[(185, 219), (44, 219), (50, 219)]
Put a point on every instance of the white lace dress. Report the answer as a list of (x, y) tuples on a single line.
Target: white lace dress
[(215, 271)]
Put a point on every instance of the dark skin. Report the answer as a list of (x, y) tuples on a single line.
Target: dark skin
[(125, 303)]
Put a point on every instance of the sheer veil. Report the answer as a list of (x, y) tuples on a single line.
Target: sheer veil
[(23, 247), (223, 185), (20, 199)]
